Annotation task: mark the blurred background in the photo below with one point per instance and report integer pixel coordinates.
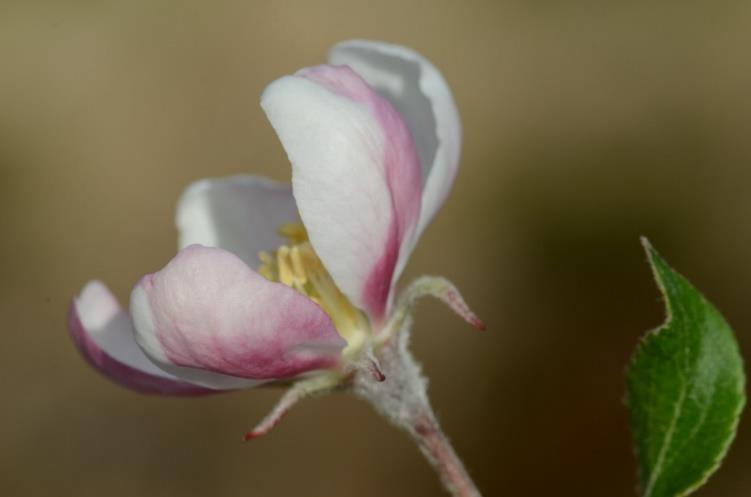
(587, 124)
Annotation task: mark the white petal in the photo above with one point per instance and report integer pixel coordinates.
(423, 98)
(240, 214)
(355, 176)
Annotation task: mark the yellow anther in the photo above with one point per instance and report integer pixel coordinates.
(265, 257)
(297, 266)
(294, 232)
(267, 268)
(285, 270)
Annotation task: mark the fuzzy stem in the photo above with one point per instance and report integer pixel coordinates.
(437, 448)
(402, 398)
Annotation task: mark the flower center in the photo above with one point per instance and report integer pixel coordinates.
(298, 266)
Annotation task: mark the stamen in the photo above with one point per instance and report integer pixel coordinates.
(267, 262)
(294, 232)
(297, 266)
(285, 271)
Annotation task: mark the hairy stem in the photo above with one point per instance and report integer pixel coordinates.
(437, 448)
(402, 398)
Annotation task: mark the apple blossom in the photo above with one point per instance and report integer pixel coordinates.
(296, 284)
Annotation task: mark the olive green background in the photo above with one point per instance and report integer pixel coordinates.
(587, 124)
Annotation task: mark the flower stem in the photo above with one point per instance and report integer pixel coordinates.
(442, 456)
(402, 398)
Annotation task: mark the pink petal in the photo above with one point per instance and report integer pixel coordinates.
(241, 214)
(355, 176)
(208, 310)
(102, 332)
(423, 98)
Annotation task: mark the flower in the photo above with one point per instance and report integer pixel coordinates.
(295, 284)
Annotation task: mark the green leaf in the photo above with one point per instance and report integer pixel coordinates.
(685, 390)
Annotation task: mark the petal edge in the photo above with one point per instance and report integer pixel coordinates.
(95, 312)
(422, 96)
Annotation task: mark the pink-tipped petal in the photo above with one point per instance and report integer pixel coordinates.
(423, 98)
(355, 177)
(209, 311)
(102, 332)
(241, 214)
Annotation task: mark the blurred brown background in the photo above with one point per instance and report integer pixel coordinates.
(587, 124)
